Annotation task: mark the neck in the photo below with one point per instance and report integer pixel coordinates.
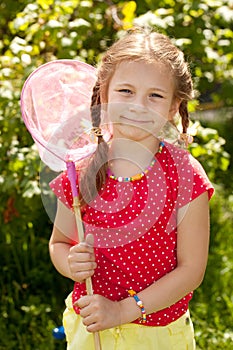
(127, 157)
(126, 148)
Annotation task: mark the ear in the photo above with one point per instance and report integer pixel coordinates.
(175, 105)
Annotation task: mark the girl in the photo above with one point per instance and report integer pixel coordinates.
(144, 205)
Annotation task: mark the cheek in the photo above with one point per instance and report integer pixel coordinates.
(167, 110)
(159, 122)
(111, 112)
(115, 110)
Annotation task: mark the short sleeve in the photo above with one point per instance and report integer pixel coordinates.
(193, 181)
(62, 189)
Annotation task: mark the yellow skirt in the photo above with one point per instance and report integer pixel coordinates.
(178, 335)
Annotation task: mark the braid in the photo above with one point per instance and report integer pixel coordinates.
(95, 105)
(183, 110)
(94, 176)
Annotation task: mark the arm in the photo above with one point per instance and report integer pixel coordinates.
(192, 254)
(72, 260)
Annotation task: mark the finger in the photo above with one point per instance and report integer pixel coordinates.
(93, 328)
(89, 320)
(81, 277)
(83, 266)
(84, 269)
(82, 247)
(83, 301)
(82, 257)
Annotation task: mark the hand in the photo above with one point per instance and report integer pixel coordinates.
(81, 260)
(98, 312)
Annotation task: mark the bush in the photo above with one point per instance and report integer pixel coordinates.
(212, 304)
(34, 32)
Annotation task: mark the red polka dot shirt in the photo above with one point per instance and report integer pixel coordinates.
(135, 227)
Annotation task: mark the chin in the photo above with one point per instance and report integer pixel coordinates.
(131, 132)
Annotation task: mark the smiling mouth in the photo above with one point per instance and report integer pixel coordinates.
(136, 121)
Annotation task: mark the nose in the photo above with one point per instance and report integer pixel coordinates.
(138, 109)
(138, 105)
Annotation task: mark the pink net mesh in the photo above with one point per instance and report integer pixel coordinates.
(55, 105)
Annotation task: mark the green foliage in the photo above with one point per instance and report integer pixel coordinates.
(224, 128)
(35, 32)
(212, 305)
(208, 148)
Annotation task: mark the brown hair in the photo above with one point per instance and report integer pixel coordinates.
(136, 45)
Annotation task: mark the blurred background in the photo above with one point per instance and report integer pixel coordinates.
(34, 32)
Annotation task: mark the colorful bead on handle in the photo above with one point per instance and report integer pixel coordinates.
(139, 303)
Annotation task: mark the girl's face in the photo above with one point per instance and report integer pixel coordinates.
(140, 99)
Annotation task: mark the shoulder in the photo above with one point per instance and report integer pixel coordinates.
(182, 158)
(176, 153)
(190, 172)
